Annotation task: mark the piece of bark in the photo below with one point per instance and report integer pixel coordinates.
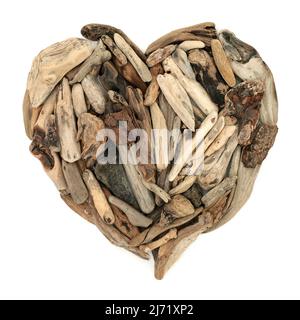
(169, 253)
(212, 196)
(179, 206)
(181, 59)
(183, 186)
(135, 217)
(108, 41)
(208, 75)
(78, 99)
(89, 126)
(95, 93)
(177, 98)
(160, 55)
(113, 176)
(244, 102)
(222, 62)
(135, 60)
(122, 223)
(203, 32)
(76, 186)
(152, 91)
(171, 234)
(51, 65)
(191, 44)
(70, 148)
(154, 231)
(194, 89)
(255, 153)
(101, 204)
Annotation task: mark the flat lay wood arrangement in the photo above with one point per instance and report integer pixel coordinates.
(192, 78)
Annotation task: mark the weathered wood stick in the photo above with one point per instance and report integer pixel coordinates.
(191, 44)
(78, 99)
(75, 183)
(134, 216)
(182, 61)
(135, 60)
(101, 204)
(183, 186)
(160, 55)
(108, 41)
(171, 234)
(70, 148)
(178, 99)
(95, 93)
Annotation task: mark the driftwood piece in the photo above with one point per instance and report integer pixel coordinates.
(208, 75)
(191, 44)
(159, 125)
(248, 65)
(70, 148)
(217, 173)
(78, 99)
(108, 41)
(160, 55)
(135, 60)
(51, 64)
(205, 127)
(222, 62)
(95, 31)
(169, 253)
(171, 234)
(182, 61)
(27, 114)
(95, 93)
(220, 140)
(100, 202)
(157, 190)
(177, 98)
(56, 173)
(134, 216)
(76, 186)
(203, 32)
(179, 206)
(154, 231)
(192, 87)
(129, 73)
(99, 56)
(122, 223)
(212, 196)
(184, 185)
(152, 91)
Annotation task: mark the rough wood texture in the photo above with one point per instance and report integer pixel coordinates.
(51, 65)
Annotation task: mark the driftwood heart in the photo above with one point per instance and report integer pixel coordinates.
(213, 90)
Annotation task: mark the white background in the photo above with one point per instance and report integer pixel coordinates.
(47, 251)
